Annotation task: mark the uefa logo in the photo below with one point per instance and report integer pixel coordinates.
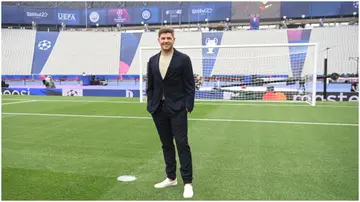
(146, 14)
(94, 16)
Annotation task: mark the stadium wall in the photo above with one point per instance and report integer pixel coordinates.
(28, 52)
(331, 96)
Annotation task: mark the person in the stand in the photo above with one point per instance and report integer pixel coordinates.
(197, 81)
(93, 80)
(97, 81)
(49, 82)
(354, 86)
(3, 84)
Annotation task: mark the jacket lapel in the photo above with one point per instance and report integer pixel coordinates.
(157, 67)
(157, 64)
(171, 63)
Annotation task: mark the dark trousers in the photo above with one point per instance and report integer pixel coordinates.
(170, 127)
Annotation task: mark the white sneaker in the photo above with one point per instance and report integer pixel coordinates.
(188, 191)
(166, 183)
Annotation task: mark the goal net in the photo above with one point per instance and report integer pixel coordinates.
(271, 72)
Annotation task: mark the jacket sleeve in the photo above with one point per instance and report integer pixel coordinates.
(150, 82)
(189, 83)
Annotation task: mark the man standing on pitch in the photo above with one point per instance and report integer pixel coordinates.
(170, 96)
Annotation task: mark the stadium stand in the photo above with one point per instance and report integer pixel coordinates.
(17, 51)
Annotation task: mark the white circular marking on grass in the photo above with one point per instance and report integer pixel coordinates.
(126, 178)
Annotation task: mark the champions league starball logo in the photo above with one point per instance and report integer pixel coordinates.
(72, 93)
(119, 15)
(211, 42)
(356, 4)
(44, 45)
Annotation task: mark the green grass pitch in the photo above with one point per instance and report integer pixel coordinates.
(74, 148)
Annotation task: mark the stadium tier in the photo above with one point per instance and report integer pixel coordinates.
(114, 59)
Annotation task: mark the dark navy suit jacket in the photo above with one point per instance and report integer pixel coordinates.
(178, 86)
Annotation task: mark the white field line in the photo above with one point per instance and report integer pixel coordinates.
(190, 119)
(20, 102)
(256, 104)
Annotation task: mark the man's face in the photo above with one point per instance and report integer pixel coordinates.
(166, 41)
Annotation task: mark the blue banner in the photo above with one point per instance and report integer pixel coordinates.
(120, 16)
(295, 9)
(39, 15)
(94, 16)
(175, 13)
(111, 93)
(44, 43)
(69, 17)
(298, 53)
(66, 77)
(206, 94)
(46, 91)
(319, 9)
(146, 15)
(210, 54)
(348, 8)
(31, 91)
(129, 44)
(15, 91)
(10, 14)
(210, 11)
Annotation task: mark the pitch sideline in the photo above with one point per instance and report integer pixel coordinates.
(255, 103)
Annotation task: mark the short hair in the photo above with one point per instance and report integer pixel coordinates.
(165, 30)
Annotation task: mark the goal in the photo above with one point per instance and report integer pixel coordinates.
(258, 72)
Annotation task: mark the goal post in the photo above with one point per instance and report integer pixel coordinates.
(255, 72)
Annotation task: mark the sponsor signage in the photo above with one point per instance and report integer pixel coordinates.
(40, 16)
(72, 92)
(146, 15)
(69, 17)
(119, 16)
